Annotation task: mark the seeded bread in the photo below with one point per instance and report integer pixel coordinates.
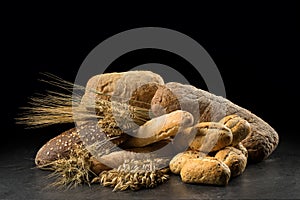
(58, 147)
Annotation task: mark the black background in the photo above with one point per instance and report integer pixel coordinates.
(255, 48)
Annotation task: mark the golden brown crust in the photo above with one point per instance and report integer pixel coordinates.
(211, 136)
(181, 159)
(208, 170)
(260, 143)
(100, 87)
(117, 86)
(160, 128)
(243, 149)
(239, 127)
(234, 159)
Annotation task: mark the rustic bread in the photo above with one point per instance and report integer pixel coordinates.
(234, 159)
(211, 136)
(241, 147)
(239, 127)
(117, 86)
(181, 159)
(142, 96)
(207, 170)
(261, 141)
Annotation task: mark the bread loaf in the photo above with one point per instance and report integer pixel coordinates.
(208, 170)
(58, 147)
(205, 107)
(118, 87)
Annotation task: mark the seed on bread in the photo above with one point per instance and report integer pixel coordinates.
(58, 147)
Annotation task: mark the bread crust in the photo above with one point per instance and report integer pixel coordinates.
(208, 170)
(234, 159)
(206, 107)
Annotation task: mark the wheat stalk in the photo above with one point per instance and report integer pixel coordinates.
(64, 107)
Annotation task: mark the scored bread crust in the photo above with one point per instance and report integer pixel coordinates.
(205, 107)
(181, 159)
(234, 159)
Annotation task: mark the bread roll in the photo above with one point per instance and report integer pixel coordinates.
(208, 170)
(239, 127)
(211, 136)
(181, 159)
(234, 159)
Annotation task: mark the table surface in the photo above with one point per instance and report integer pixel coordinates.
(278, 177)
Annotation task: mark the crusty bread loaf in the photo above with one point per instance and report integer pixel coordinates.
(206, 107)
(181, 159)
(239, 127)
(207, 170)
(211, 136)
(234, 159)
(100, 87)
(117, 86)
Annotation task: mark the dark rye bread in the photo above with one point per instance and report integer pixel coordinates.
(205, 107)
